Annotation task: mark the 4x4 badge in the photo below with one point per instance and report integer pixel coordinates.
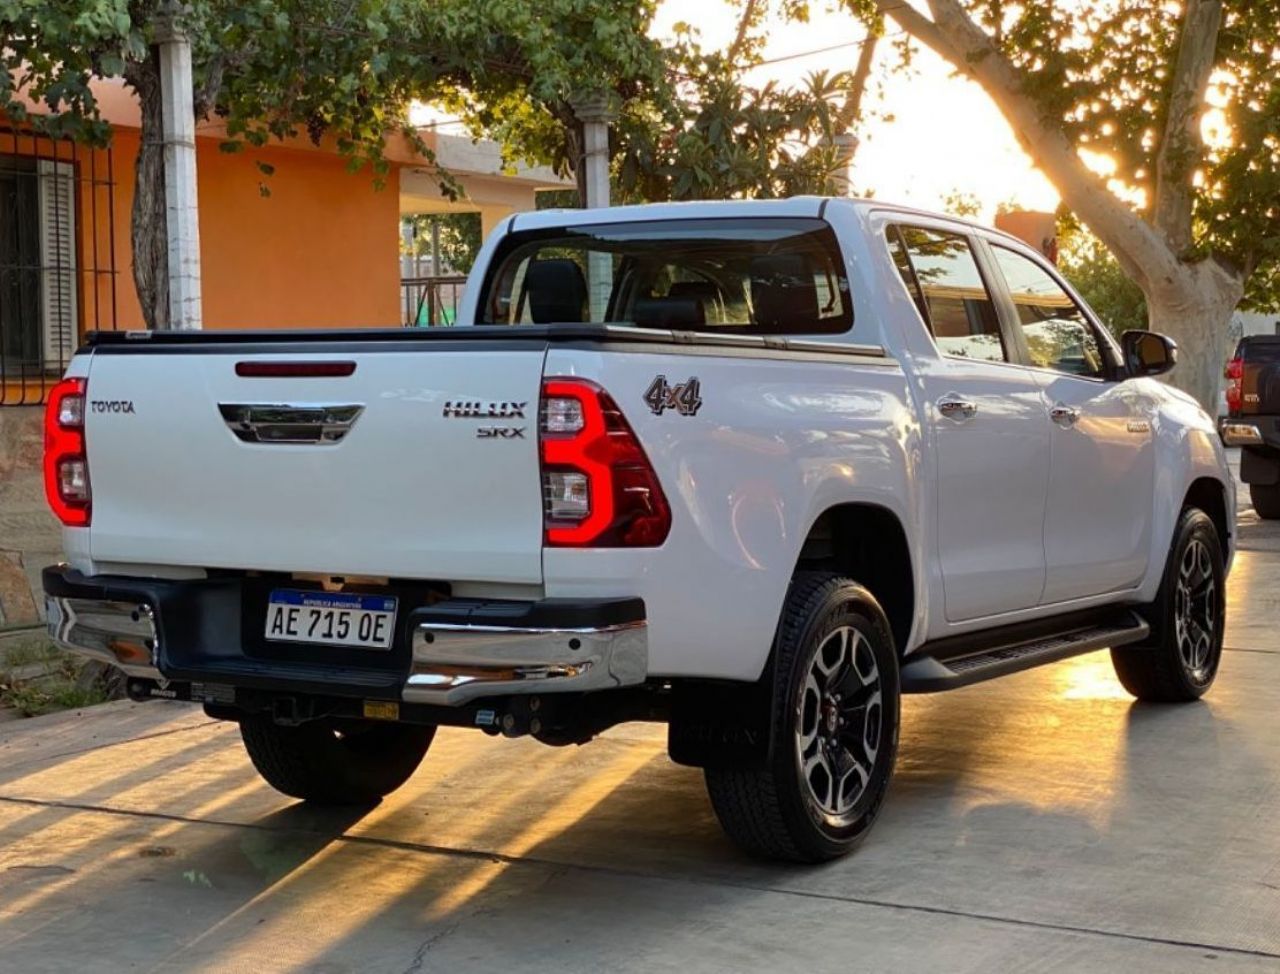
(684, 398)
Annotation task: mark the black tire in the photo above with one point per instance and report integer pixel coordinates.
(1266, 500)
(1179, 661)
(350, 762)
(776, 812)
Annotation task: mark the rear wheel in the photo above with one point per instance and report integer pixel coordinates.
(1180, 660)
(836, 729)
(1266, 500)
(349, 762)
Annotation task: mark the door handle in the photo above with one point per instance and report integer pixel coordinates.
(958, 409)
(1064, 415)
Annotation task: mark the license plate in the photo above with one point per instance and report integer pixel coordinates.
(332, 618)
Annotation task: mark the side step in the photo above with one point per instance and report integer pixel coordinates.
(949, 666)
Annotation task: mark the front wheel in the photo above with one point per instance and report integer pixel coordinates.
(835, 724)
(1180, 660)
(1266, 500)
(347, 762)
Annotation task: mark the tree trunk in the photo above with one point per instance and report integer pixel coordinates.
(148, 228)
(1195, 311)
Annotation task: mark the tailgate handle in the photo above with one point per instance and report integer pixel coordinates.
(290, 423)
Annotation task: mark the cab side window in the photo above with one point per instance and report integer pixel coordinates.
(1058, 335)
(942, 276)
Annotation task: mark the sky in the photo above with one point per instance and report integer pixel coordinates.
(946, 135)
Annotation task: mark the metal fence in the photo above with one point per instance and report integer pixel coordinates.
(431, 302)
(57, 257)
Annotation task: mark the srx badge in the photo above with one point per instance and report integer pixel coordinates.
(685, 397)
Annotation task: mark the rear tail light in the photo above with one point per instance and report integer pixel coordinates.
(66, 463)
(1235, 376)
(599, 489)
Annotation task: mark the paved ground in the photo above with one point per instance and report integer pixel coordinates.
(1039, 823)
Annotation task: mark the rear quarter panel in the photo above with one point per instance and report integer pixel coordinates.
(776, 442)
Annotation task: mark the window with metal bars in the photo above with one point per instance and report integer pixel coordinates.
(57, 258)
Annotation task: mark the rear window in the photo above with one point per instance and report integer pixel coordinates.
(764, 276)
(1263, 352)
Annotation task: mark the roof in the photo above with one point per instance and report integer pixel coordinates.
(800, 206)
(795, 206)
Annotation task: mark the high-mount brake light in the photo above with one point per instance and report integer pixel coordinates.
(294, 370)
(66, 461)
(599, 489)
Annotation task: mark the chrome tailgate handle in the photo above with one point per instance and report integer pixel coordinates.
(290, 423)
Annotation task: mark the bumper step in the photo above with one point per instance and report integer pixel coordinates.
(928, 673)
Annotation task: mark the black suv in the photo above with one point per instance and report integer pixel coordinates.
(1253, 420)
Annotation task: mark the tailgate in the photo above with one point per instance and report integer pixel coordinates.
(1260, 381)
(387, 474)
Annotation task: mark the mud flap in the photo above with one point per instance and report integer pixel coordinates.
(1260, 468)
(721, 724)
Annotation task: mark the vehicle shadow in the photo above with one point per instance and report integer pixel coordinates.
(1055, 799)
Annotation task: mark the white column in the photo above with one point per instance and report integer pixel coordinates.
(182, 214)
(596, 112)
(846, 144)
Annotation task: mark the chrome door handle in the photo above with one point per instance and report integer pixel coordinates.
(957, 409)
(1064, 415)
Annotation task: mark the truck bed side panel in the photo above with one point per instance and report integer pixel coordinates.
(775, 443)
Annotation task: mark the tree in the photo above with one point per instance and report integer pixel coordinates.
(343, 69)
(961, 203)
(703, 133)
(1182, 101)
(459, 235)
(721, 138)
(1085, 261)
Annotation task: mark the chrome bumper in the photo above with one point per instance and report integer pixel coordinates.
(122, 634)
(456, 663)
(1240, 433)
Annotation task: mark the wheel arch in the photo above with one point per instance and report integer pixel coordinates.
(1210, 495)
(868, 543)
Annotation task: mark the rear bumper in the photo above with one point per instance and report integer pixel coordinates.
(1251, 431)
(449, 652)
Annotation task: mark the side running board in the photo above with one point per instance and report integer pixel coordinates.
(950, 665)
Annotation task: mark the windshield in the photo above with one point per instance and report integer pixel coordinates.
(763, 276)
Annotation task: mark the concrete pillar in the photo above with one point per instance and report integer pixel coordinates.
(492, 215)
(182, 212)
(408, 256)
(596, 112)
(846, 144)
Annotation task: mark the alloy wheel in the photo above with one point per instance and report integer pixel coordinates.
(839, 724)
(1195, 611)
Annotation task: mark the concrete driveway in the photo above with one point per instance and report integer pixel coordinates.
(1043, 822)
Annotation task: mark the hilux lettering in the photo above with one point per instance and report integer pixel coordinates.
(477, 409)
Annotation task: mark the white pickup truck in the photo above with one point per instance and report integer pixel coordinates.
(752, 469)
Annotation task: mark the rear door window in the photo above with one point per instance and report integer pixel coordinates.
(942, 275)
(768, 276)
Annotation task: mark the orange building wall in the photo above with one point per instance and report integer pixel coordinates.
(321, 251)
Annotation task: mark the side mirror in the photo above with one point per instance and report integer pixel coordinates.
(1148, 353)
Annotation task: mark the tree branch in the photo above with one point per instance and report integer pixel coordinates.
(851, 111)
(1180, 144)
(914, 23)
(750, 14)
(953, 34)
